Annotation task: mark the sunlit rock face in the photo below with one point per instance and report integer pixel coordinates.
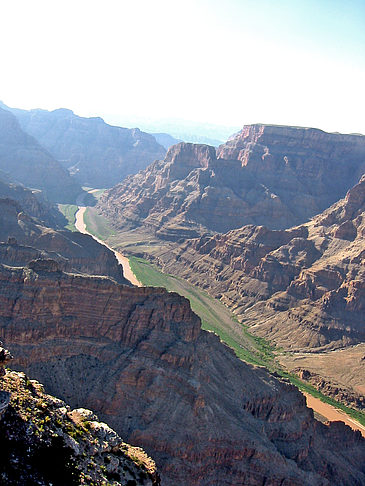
(265, 175)
(44, 442)
(302, 288)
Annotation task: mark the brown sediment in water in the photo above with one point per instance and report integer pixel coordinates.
(127, 271)
(332, 414)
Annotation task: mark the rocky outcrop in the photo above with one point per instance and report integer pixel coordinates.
(44, 442)
(336, 391)
(33, 204)
(266, 175)
(23, 239)
(302, 288)
(24, 161)
(138, 357)
(95, 153)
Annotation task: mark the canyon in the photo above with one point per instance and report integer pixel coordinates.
(24, 238)
(138, 357)
(300, 288)
(265, 175)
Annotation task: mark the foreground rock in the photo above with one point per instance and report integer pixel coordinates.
(44, 442)
(95, 153)
(266, 175)
(139, 358)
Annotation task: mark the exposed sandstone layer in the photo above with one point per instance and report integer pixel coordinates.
(138, 357)
(23, 238)
(43, 442)
(302, 288)
(95, 153)
(24, 161)
(266, 175)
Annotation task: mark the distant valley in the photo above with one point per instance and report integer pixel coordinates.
(270, 223)
(299, 286)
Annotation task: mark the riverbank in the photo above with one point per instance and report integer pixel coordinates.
(327, 411)
(127, 271)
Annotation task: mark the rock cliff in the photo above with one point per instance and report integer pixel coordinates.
(302, 288)
(95, 153)
(138, 357)
(23, 238)
(34, 204)
(26, 162)
(266, 175)
(44, 442)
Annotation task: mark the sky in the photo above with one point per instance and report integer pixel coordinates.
(224, 62)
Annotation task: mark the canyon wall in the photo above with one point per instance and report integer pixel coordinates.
(138, 357)
(266, 175)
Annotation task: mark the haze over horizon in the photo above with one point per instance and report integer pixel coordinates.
(291, 63)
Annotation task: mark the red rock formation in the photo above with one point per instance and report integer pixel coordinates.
(43, 441)
(266, 175)
(138, 357)
(302, 288)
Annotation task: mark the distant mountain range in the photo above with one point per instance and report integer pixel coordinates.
(96, 154)
(23, 160)
(183, 130)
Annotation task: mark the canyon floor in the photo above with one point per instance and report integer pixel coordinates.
(331, 366)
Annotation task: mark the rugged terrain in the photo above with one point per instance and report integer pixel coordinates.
(33, 203)
(302, 288)
(24, 161)
(44, 442)
(266, 175)
(95, 153)
(138, 357)
(23, 238)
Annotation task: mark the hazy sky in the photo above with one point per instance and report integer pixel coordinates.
(299, 62)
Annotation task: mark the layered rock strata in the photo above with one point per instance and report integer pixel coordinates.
(138, 357)
(33, 204)
(266, 175)
(23, 238)
(336, 391)
(302, 288)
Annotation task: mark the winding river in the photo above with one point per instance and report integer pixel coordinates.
(80, 226)
(327, 411)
